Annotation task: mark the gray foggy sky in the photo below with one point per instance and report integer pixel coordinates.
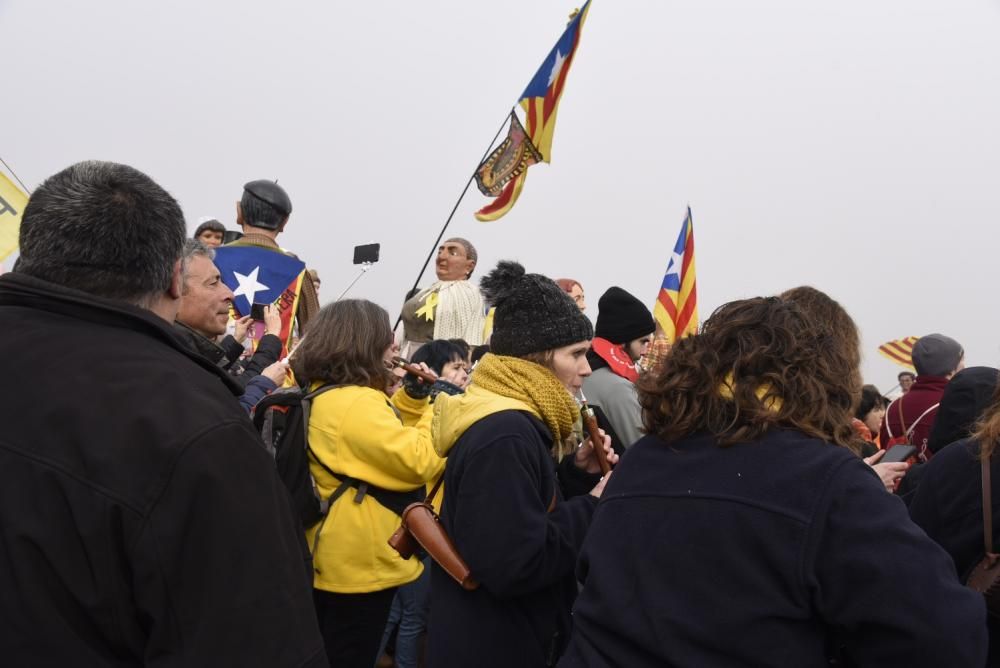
(851, 145)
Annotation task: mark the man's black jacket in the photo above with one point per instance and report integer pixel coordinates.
(141, 520)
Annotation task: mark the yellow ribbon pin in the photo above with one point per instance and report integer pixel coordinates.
(427, 310)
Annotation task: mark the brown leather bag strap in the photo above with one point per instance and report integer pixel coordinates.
(987, 508)
(902, 423)
(434, 489)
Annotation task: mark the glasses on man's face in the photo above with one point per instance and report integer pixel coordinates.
(578, 298)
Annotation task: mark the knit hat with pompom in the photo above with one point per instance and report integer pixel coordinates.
(533, 314)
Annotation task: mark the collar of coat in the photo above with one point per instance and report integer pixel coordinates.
(33, 293)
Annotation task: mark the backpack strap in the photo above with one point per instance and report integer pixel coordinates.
(888, 427)
(394, 501)
(917, 421)
(324, 504)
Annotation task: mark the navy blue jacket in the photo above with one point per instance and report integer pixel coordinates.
(781, 552)
(499, 483)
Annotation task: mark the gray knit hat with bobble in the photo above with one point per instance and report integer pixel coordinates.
(533, 314)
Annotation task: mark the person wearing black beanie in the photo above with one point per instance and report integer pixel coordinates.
(507, 504)
(624, 331)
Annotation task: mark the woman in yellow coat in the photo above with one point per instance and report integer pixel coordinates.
(370, 456)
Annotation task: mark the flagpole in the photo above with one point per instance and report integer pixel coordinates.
(18, 179)
(454, 209)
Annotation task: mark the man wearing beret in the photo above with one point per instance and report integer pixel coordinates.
(623, 333)
(262, 214)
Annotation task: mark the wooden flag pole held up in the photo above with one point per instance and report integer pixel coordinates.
(451, 215)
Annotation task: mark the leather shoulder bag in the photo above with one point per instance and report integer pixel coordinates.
(985, 577)
(421, 528)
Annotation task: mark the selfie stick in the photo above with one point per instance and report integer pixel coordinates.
(365, 266)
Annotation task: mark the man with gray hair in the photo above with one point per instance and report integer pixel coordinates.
(203, 316)
(141, 520)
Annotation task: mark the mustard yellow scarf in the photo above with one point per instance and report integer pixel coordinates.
(532, 384)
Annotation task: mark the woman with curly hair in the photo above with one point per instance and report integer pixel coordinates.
(742, 531)
(504, 503)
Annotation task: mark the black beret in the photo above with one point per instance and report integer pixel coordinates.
(272, 193)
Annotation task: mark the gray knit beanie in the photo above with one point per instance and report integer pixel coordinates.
(936, 355)
(533, 314)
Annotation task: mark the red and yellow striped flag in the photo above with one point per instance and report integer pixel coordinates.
(899, 351)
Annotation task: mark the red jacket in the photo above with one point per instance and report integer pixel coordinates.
(926, 392)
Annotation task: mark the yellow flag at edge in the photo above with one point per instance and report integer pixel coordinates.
(12, 203)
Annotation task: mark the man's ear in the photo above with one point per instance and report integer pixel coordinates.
(472, 268)
(176, 282)
(239, 215)
(281, 228)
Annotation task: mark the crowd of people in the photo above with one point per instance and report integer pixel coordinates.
(748, 517)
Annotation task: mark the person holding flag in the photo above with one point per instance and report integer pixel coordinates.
(258, 270)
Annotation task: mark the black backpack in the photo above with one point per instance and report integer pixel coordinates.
(282, 418)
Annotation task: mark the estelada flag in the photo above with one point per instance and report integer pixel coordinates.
(899, 351)
(676, 307)
(540, 102)
(262, 276)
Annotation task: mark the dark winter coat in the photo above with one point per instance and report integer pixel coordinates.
(226, 355)
(780, 552)
(499, 483)
(142, 523)
(948, 505)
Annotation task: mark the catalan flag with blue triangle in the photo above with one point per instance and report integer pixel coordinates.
(676, 307)
(540, 102)
(262, 276)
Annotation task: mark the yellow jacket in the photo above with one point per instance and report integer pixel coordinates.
(354, 431)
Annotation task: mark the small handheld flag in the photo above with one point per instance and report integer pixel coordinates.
(899, 351)
(540, 102)
(676, 307)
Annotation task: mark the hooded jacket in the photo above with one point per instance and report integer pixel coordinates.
(142, 522)
(354, 431)
(965, 397)
(500, 482)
